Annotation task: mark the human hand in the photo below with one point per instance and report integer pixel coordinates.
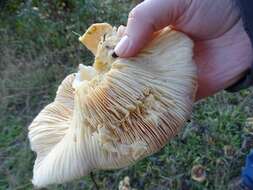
(222, 49)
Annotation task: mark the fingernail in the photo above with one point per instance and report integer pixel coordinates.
(122, 46)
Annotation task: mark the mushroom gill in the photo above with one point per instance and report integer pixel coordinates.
(116, 112)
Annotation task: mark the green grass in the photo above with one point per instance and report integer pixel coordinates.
(38, 49)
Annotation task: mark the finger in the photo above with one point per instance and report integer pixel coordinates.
(144, 20)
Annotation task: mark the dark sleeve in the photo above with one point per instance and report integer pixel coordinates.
(247, 172)
(246, 8)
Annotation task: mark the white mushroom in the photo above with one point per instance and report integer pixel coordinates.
(116, 112)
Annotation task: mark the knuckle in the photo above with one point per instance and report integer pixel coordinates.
(136, 12)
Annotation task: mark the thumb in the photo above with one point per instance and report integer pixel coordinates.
(145, 19)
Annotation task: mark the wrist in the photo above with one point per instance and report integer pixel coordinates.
(223, 61)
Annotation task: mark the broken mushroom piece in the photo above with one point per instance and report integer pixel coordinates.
(116, 112)
(92, 36)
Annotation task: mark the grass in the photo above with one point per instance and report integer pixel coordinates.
(38, 49)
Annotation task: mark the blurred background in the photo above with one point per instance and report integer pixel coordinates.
(38, 49)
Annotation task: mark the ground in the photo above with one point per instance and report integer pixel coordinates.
(38, 49)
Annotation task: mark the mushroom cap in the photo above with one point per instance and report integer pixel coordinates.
(116, 112)
(198, 173)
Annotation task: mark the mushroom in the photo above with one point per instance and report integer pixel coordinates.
(116, 112)
(198, 173)
(125, 184)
